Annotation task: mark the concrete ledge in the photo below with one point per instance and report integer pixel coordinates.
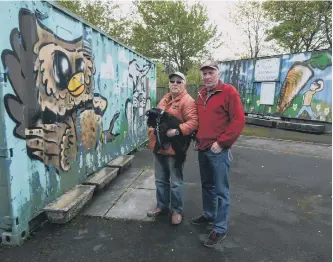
(260, 122)
(121, 162)
(102, 178)
(67, 206)
(301, 127)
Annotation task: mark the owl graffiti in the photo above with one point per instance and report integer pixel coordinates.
(54, 106)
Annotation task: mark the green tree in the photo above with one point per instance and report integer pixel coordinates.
(300, 25)
(193, 76)
(106, 16)
(174, 32)
(250, 20)
(162, 79)
(325, 8)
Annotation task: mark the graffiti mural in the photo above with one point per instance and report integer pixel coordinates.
(55, 97)
(240, 75)
(139, 103)
(306, 91)
(73, 99)
(303, 90)
(315, 87)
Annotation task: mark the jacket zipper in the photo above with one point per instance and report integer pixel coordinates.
(202, 101)
(205, 102)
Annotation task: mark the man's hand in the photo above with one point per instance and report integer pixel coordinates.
(216, 148)
(172, 132)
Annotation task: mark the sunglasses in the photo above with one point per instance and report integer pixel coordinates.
(178, 82)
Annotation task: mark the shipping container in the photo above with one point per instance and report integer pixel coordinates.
(72, 99)
(294, 86)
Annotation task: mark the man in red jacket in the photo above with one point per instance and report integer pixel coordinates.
(221, 121)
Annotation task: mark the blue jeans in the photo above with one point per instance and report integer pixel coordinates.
(169, 193)
(214, 172)
(307, 109)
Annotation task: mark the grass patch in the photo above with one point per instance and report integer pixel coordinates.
(253, 131)
(275, 133)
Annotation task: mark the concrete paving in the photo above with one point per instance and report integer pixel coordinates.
(286, 147)
(105, 200)
(146, 180)
(281, 210)
(133, 205)
(130, 201)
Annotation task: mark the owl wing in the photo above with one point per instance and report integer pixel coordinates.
(23, 107)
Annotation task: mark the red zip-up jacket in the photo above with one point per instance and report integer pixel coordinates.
(221, 116)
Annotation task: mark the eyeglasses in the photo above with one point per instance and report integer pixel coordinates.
(178, 82)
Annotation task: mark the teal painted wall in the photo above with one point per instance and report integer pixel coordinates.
(73, 100)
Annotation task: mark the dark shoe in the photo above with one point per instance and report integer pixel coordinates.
(200, 220)
(156, 211)
(214, 238)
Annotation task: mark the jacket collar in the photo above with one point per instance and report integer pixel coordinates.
(218, 88)
(168, 96)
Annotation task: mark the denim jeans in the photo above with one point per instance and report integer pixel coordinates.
(214, 172)
(169, 183)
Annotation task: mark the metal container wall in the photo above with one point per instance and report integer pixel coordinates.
(72, 98)
(303, 88)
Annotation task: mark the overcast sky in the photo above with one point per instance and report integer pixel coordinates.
(218, 12)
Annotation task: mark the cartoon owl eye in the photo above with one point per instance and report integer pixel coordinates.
(62, 70)
(79, 65)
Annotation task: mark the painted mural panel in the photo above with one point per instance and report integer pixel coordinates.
(74, 99)
(54, 105)
(303, 90)
(240, 74)
(306, 90)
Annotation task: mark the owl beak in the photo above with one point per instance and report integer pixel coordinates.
(76, 84)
